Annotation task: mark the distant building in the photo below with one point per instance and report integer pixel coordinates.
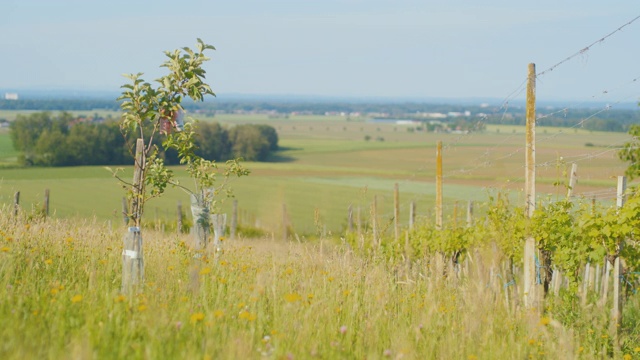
(10, 96)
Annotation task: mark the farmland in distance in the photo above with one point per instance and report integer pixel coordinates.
(328, 163)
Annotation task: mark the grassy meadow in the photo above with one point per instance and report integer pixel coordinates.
(315, 296)
(266, 298)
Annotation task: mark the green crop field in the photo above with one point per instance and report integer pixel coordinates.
(325, 165)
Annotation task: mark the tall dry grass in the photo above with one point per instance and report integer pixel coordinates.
(60, 298)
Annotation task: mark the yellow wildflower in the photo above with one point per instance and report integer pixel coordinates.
(48, 261)
(218, 314)
(205, 271)
(76, 299)
(292, 297)
(197, 317)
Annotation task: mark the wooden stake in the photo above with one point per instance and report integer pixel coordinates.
(616, 311)
(284, 222)
(585, 284)
(350, 219)
(470, 214)
(572, 180)
(179, 222)
(439, 186)
(530, 286)
(16, 203)
(412, 214)
(396, 211)
(46, 202)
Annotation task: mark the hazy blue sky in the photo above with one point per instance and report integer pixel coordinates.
(355, 48)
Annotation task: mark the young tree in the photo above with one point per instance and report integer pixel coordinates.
(150, 112)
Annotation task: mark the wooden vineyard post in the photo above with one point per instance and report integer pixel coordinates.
(46, 203)
(396, 212)
(572, 180)
(350, 219)
(616, 311)
(530, 280)
(439, 186)
(179, 223)
(412, 214)
(16, 203)
(470, 213)
(234, 220)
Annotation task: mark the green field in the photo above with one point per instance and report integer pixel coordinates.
(326, 165)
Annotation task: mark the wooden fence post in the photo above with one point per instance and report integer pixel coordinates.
(350, 219)
(531, 296)
(46, 203)
(470, 213)
(16, 203)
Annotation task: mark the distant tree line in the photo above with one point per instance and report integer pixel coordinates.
(613, 119)
(62, 140)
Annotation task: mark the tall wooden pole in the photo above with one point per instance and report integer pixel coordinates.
(439, 186)
(616, 311)
(530, 286)
(470, 213)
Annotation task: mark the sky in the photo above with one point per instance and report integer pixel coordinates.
(397, 49)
